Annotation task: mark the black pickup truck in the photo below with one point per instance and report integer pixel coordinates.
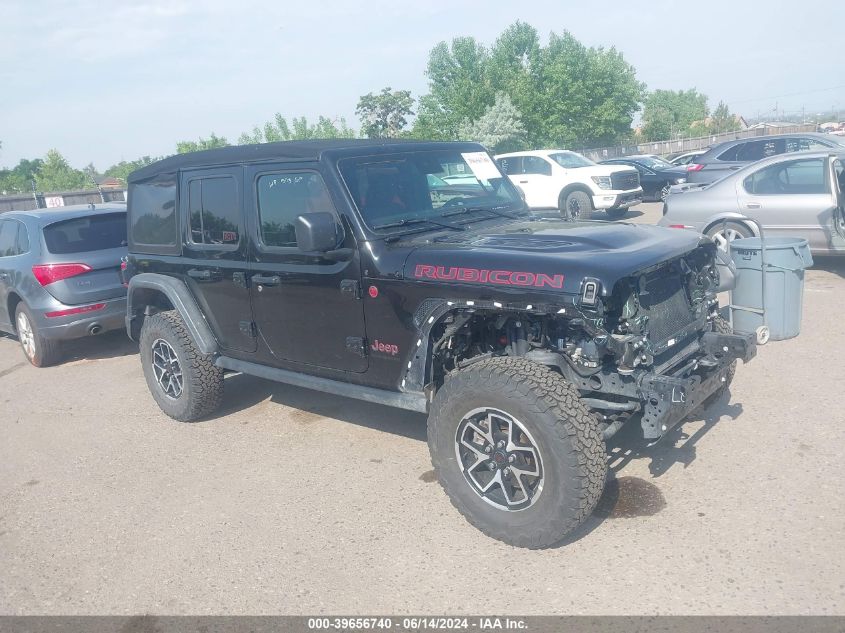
(355, 268)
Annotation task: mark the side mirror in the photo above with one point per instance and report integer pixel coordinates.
(316, 232)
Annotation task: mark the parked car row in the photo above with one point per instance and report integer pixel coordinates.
(799, 195)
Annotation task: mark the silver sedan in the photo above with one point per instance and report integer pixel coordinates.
(799, 195)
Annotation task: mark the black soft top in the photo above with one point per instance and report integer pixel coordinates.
(290, 151)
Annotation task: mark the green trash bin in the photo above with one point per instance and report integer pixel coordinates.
(784, 261)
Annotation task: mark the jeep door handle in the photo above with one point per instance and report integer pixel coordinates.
(204, 274)
(268, 280)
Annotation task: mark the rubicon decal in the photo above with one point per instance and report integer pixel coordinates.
(485, 276)
(386, 348)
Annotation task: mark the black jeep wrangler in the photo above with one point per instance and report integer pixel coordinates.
(411, 274)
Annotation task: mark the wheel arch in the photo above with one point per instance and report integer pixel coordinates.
(733, 217)
(150, 293)
(575, 186)
(12, 301)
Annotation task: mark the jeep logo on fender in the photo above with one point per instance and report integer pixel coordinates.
(484, 276)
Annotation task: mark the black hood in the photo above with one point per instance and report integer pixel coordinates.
(553, 255)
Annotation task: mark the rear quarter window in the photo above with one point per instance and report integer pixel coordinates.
(152, 215)
(86, 234)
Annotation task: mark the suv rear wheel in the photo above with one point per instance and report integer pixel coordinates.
(40, 351)
(184, 382)
(517, 452)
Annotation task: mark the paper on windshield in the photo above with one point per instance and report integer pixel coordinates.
(482, 167)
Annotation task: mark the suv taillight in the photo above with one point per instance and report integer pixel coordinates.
(50, 273)
(694, 167)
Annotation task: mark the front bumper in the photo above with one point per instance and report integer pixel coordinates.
(617, 199)
(668, 399)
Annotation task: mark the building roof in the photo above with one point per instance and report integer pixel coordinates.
(287, 151)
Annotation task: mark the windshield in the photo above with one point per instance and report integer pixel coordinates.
(426, 188)
(652, 162)
(571, 160)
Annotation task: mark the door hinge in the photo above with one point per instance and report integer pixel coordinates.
(350, 288)
(248, 328)
(356, 345)
(239, 279)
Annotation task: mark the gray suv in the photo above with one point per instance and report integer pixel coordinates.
(60, 276)
(724, 158)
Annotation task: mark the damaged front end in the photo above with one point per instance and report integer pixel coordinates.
(650, 346)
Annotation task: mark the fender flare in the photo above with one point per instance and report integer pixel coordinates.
(180, 298)
(576, 186)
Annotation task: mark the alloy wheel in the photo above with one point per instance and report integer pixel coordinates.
(499, 459)
(167, 370)
(724, 237)
(26, 335)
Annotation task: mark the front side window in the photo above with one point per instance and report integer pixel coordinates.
(394, 190)
(803, 144)
(790, 178)
(282, 197)
(86, 234)
(215, 210)
(8, 238)
(536, 165)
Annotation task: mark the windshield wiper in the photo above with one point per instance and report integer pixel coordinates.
(494, 210)
(409, 221)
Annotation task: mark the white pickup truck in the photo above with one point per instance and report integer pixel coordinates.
(555, 178)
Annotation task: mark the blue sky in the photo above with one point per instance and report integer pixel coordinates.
(106, 81)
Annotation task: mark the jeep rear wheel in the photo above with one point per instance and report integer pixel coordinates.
(517, 452)
(184, 382)
(575, 205)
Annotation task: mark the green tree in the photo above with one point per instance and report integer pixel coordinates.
(298, 130)
(122, 169)
(385, 115)
(722, 120)
(499, 129)
(567, 94)
(669, 113)
(459, 87)
(56, 174)
(19, 179)
(212, 142)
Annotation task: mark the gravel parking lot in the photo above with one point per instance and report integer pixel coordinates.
(295, 502)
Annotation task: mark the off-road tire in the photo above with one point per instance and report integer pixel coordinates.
(46, 351)
(202, 382)
(582, 200)
(574, 459)
(616, 214)
(721, 326)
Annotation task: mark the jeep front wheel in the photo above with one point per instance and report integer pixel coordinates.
(517, 452)
(184, 382)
